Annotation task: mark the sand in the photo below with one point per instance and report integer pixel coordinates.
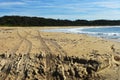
(20, 41)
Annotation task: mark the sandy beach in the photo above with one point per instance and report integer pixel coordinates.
(22, 46)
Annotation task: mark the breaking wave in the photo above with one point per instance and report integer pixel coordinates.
(103, 32)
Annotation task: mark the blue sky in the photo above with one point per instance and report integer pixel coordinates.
(63, 9)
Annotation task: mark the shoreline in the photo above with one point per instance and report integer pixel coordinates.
(114, 36)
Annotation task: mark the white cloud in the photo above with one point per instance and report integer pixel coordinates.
(11, 3)
(107, 4)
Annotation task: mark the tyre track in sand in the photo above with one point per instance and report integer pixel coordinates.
(17, 46)
(45, 48)
(59, 49)
(11, 62)
(28, 42)
(22, 64)
(44, 45)
(22, 61)
(48, 53)
(22, 68)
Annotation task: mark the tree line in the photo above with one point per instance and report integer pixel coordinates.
(39, 21)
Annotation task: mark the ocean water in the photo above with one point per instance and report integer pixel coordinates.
(107, 32)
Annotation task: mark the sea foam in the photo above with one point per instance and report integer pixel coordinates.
(108, 32)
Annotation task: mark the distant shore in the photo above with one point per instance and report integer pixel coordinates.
(41, 21)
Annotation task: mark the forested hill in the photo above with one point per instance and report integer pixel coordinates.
(39, 21)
